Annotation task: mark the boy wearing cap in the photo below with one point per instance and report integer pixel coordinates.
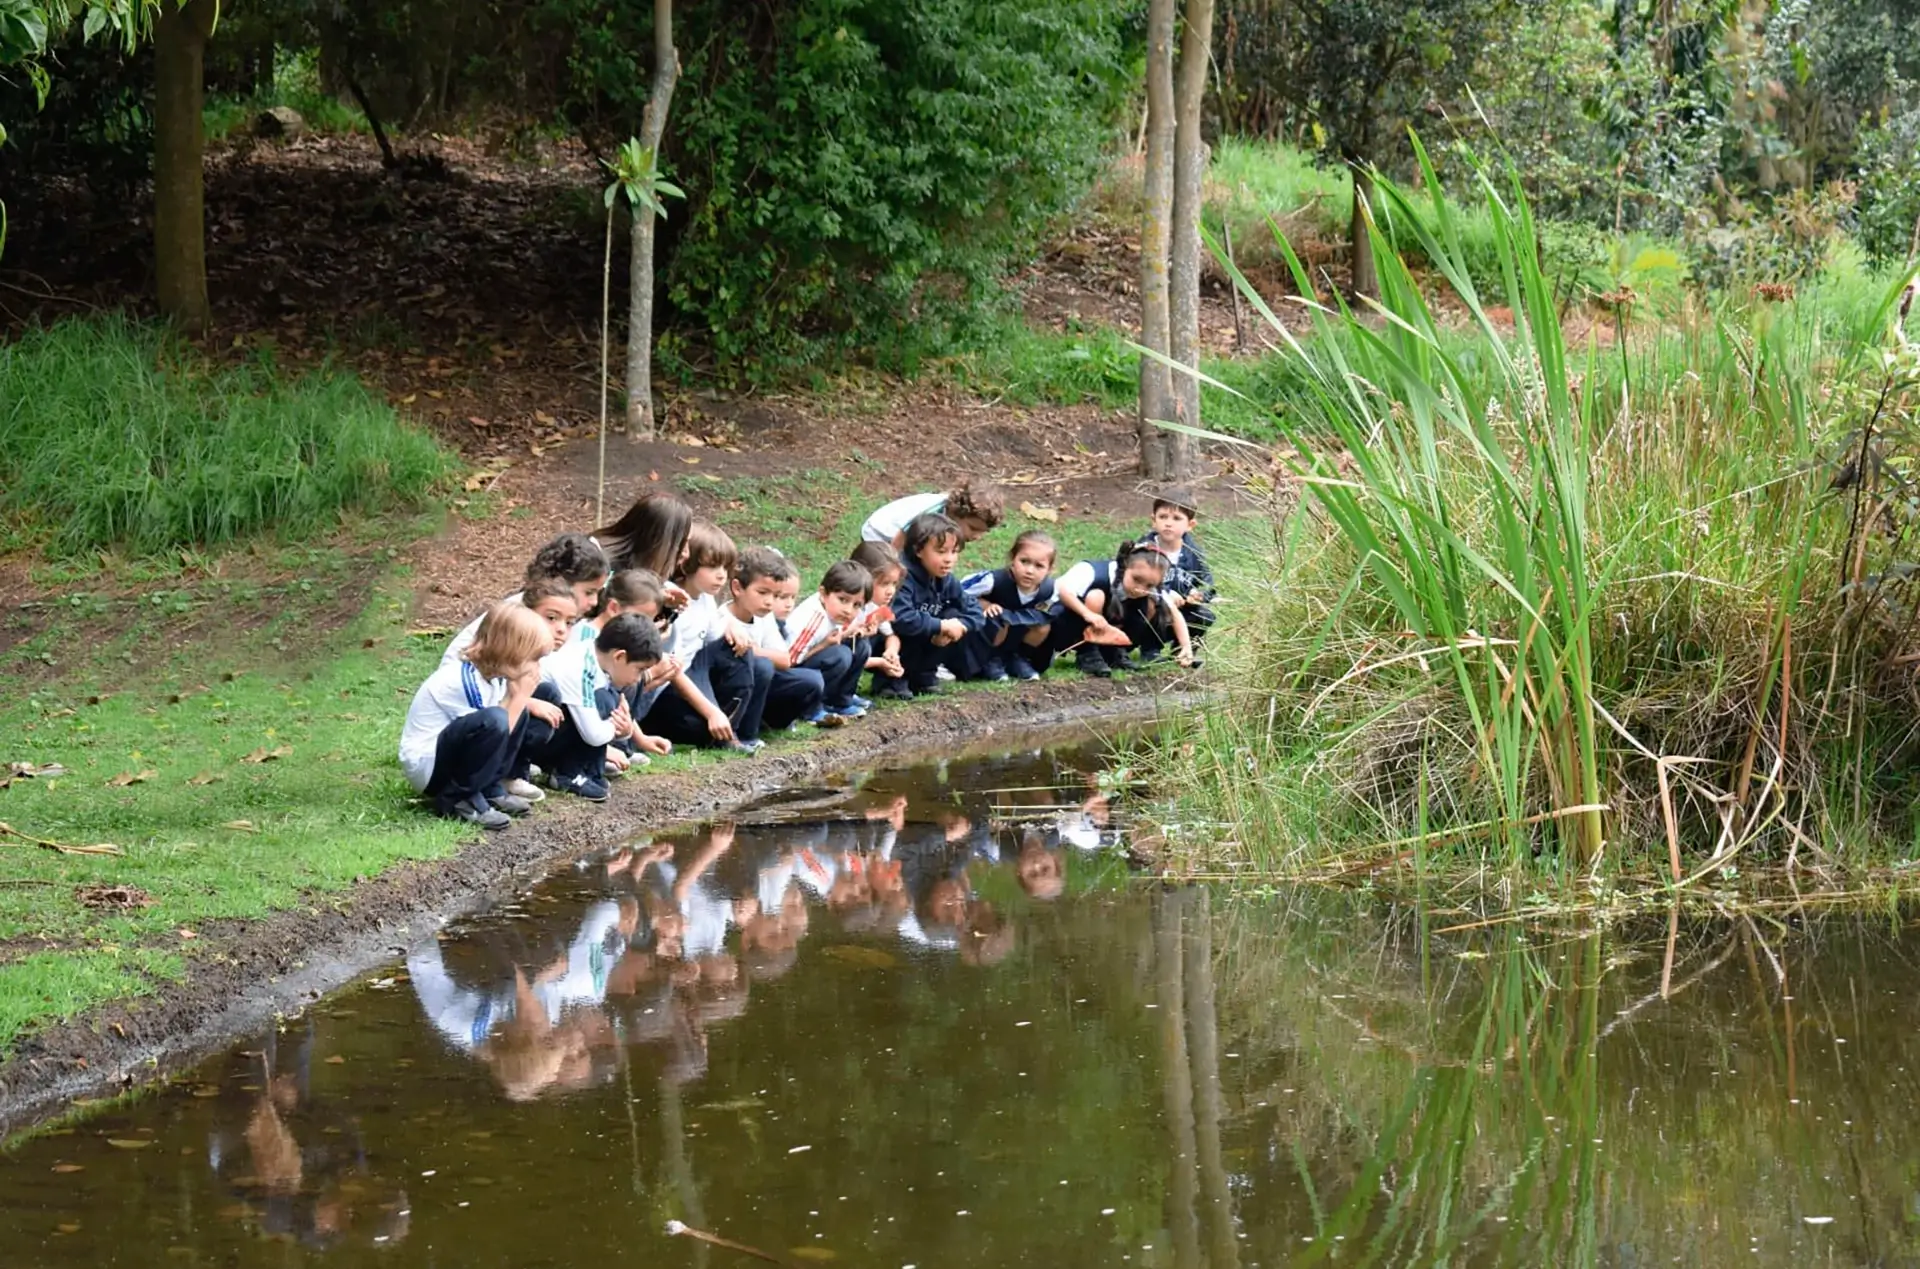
(1189, 581)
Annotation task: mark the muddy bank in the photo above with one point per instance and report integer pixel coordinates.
(246, 973)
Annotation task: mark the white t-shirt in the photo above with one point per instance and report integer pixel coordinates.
(809, 627)
(453, 690)
(699, 623)
(575, 673)
(898, 514)
(471, 631)
(1078, 580)
(765, 633)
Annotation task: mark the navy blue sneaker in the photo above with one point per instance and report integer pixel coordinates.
(582, 786)
(994, 671)
(1021, 668)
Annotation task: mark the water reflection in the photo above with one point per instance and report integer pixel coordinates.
(923, 1020)
(660, 943)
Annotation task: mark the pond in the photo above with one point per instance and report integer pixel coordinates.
(927, 1019)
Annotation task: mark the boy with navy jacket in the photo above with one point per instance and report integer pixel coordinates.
(932, 613)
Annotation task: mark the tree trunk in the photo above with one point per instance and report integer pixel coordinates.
(1365, 279)
(1156, 322)
(653, 126)
(1189, 172)
(179, 229)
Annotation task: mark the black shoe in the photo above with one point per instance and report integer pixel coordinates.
(928, 687)
(1116, 659)
(892, 690)
(1021, 668)
(1092, 663)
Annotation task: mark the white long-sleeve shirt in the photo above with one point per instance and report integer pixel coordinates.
(809, 627)
(453, 690)
(893, 518)
(575, 673)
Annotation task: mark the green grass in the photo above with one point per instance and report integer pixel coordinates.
(1528, 581)
(175, 676)
(114, 435)
(296, 84)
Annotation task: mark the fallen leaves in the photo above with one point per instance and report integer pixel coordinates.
(1048, 514)
(28, 771)
(240, 826)
(126, 778)
(204, 778)
(113, 898)
(264, 754)
(128, 1143)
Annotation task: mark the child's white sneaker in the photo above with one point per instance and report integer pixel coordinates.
(526, 790)
(943, 674)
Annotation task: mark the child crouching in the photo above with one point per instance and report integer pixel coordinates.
(932, 613)
(465, 728)
(818, 636)
(797, 694)
(1099, 597)
(588, 681)
(1015, 601)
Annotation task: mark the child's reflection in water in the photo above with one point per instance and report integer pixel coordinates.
(298, 1166)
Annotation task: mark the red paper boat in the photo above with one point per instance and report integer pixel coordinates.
(880, 615)
(1108, 637)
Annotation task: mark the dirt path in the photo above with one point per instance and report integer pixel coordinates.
(253, 972)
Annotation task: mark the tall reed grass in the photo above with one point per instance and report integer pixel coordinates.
(1587, 606)
(113, 434)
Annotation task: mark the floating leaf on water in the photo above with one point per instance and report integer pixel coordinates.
(818, 1254)
(861, 956)
(128, 1143)
(68, 1228)
(336, 1060)
(1818, 1220)
(207, 1090)
(69, 1167)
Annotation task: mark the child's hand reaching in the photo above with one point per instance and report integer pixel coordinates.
(659, 746)
(891, 664)
(719, 727)
(546, 711)
(990, 610)
(738, 638)
(1185, 657)
(673, 596)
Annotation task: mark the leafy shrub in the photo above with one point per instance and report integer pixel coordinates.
(112, 434)
(854, 167)
(1889, 198)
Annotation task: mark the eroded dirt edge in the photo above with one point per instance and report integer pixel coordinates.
(249, 972)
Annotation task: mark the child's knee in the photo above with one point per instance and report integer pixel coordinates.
(1037, 635)
(492, 723)
(1095, 601)
(547, 692)
(999, 636)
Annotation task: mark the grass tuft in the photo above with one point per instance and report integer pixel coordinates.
(114, 434)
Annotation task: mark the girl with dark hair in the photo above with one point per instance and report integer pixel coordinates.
(1098, 598)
